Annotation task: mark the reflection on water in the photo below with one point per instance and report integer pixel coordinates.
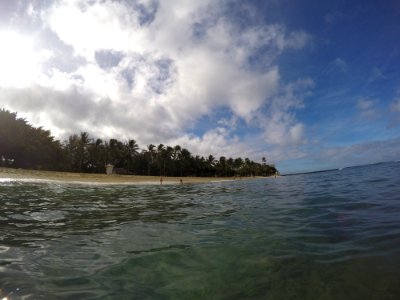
(318, 236)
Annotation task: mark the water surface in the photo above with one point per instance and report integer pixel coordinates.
(331, 235)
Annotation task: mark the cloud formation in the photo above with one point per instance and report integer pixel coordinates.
(395, 106)
(358, 154)
(225, 77)
(367, 108)
(152, 69)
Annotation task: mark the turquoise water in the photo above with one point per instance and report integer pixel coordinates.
(330, 235)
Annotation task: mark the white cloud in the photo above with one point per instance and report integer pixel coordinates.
(395, 106)
(362, 153)
(341, 64)
(376, 75)
(338, 65)
(367, 108)
(297, 40)
(333, 17)
(279, 122)
(150, 70)
(214, 142)
(229, 122)
(19, 60)
(364, 104)
(394, 119)
(102, 25)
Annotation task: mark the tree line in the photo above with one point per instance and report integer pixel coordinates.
(25, 146)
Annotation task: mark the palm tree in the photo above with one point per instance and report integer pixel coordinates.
(210, 165)
(116, 152)
(167, 155)
(131, 151)
(133, 147)
(222, 166)
(151, 154)
(176, 157)
(185, 159)
(160, 154)
(97, 159)
(229, 166)
(77, 150)
(238, 164)
(247, 166)
(82, 143)
(211, 160)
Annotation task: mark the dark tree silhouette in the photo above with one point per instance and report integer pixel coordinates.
(24, 146)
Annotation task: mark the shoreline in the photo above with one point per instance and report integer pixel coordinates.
(10, 174)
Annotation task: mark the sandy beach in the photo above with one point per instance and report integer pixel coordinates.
(34, 175)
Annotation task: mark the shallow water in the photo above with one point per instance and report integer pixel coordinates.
(330, 235)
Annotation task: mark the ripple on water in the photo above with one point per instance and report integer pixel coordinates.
(332, 235)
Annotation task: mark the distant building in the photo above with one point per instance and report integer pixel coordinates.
(109, 169)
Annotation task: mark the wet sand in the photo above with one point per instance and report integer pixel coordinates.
(47, 176)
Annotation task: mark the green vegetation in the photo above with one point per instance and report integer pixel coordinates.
(24, 146)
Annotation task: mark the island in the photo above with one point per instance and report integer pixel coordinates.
(32, 152)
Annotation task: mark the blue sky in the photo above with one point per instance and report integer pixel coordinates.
(310, 85)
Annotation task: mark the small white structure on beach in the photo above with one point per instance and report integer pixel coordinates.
(109, 169)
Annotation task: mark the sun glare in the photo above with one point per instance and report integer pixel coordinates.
(19, 62)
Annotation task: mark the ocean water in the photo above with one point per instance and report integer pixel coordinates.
(329, 235)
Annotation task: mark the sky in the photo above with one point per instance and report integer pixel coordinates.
(308, 84)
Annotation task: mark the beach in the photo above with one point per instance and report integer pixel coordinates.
(69, 177)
